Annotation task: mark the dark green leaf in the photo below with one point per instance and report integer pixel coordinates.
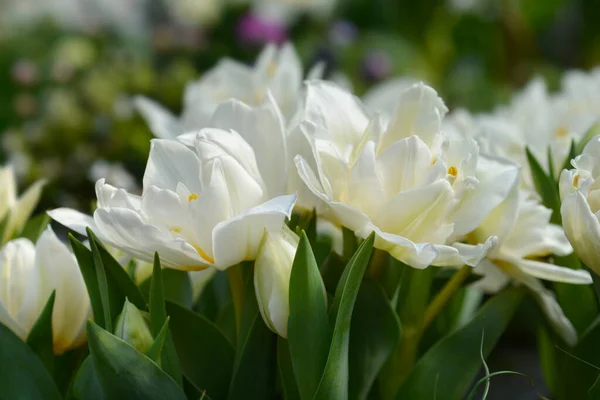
(214, 296)
(349, 243)
(579, 366)
(22, 374)
(102, 282)
(308, 325)
(86, 385)
(594, 392)
(545, 187)
(124, 372)
(455, 360)
(158, 317)
(86, 266)
(205, 355)
(40, 336)
(286, 370)
(34, 227)
(374, 333)
(177, 287)
(334, 382)
(551, 165)
(156, 349)
(567, 163)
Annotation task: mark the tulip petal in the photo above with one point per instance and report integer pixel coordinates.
(73, 219)
(582, 228)
(8, 189)
(551, 272)
(22, 209)
(493, 278)
(162, 123)
(171, 162)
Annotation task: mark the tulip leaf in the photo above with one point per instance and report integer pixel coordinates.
(23, 375)
(86, 385)
(579, 367)
(572, 154)
(308, 325)
(102, 281)
(177, 287)
(155, 350)
(546, 187)
(35, 226)
(125, 373)
(40, 336)
(206, 356)
(349, 243)
(374, 332)
(594, 392)
(286, 370)
(254, 368)
(454, 361)
(551, 165)
(334, 382)
(117, 275)
(158, 317)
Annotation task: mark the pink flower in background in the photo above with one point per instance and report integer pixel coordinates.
(257, 30)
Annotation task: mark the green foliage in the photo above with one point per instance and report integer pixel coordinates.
(40, 337)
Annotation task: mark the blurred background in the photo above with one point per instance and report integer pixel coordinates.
(69, 70)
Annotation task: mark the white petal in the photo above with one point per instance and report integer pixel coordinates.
(460, 254)
(162, 123)
(494, 279)
(8, 189)
(74, 220)
(22, 209)
(237, 239)
(551, 272)
(582, 228)
(169, 163)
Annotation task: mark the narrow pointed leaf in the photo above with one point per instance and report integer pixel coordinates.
(454, 361)
(102, 282)
(124, 372)
(155, 350)
(589, 134)
(86, 266)
(545, 187)
(40, 336)
(308, 325)
(206, 356)
(35, 226)
(334, 382)
(158, 317)
(286, 370)
(572, 154)
(86, 385)
(23, 376)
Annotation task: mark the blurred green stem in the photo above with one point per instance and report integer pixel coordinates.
(440, 300)
(236, 285)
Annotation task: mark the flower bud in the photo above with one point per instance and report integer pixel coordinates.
(272, 271)
(132, 328)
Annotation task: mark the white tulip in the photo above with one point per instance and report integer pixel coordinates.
(278, 71)
(525, 236)
(15, 210)
(29, 275)
(580, 193)
(133, 328)
(272, 271)
(201, 207)
(403, 179)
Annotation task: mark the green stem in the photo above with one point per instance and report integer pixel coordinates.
(439, 302)
(236, 284)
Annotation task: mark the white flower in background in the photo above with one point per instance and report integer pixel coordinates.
(404, 180)
(194, 12)
(526, 236)
(201, 207)
(114, 173)
(383, 97)
(580, 194)
(15, 211)
(278, 71)
(29, 275)
(272, 271)
(288, 11)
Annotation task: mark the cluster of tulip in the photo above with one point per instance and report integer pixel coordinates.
(333, 219)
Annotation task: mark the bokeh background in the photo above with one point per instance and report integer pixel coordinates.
(69, 70)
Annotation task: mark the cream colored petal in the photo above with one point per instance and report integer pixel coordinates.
(22, 210)
(162, 123)
(582, 228)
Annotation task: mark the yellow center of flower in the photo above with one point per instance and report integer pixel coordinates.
(561, 132)
(203, 254)
(271, 69)
(192, 197)
(453, 171)
(576, 181)
(176, 230)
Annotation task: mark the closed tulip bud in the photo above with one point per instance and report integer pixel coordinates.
(272, 271)
(133, 328)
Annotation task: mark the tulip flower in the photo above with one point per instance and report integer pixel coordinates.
(580, 193)
(15, 211)
(272, 271)
(201, 207)
(402, 179)
(525, 237)
(278, 71)
(29, 275)
(133, 328)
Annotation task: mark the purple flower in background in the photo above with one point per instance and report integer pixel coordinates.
(377, 65)
(343, 33)
(256, 30)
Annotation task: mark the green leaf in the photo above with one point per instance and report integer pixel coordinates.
(124, 372)
(334, 382)
(86, 385)
(349, 243)
(40, 336)
(455, 360)
(567, 163)
(102, 282)
(23, 376)
(86, 266)
(579, 367)
(118, 276)
(177, 287)
(308, 324)
(286, 370)
(594, 392)
(156, 349)
(374, 332)
(158, 317)
(551, 165)
(546, 187)
(254, 370)
(206, 356)
(35, 226)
